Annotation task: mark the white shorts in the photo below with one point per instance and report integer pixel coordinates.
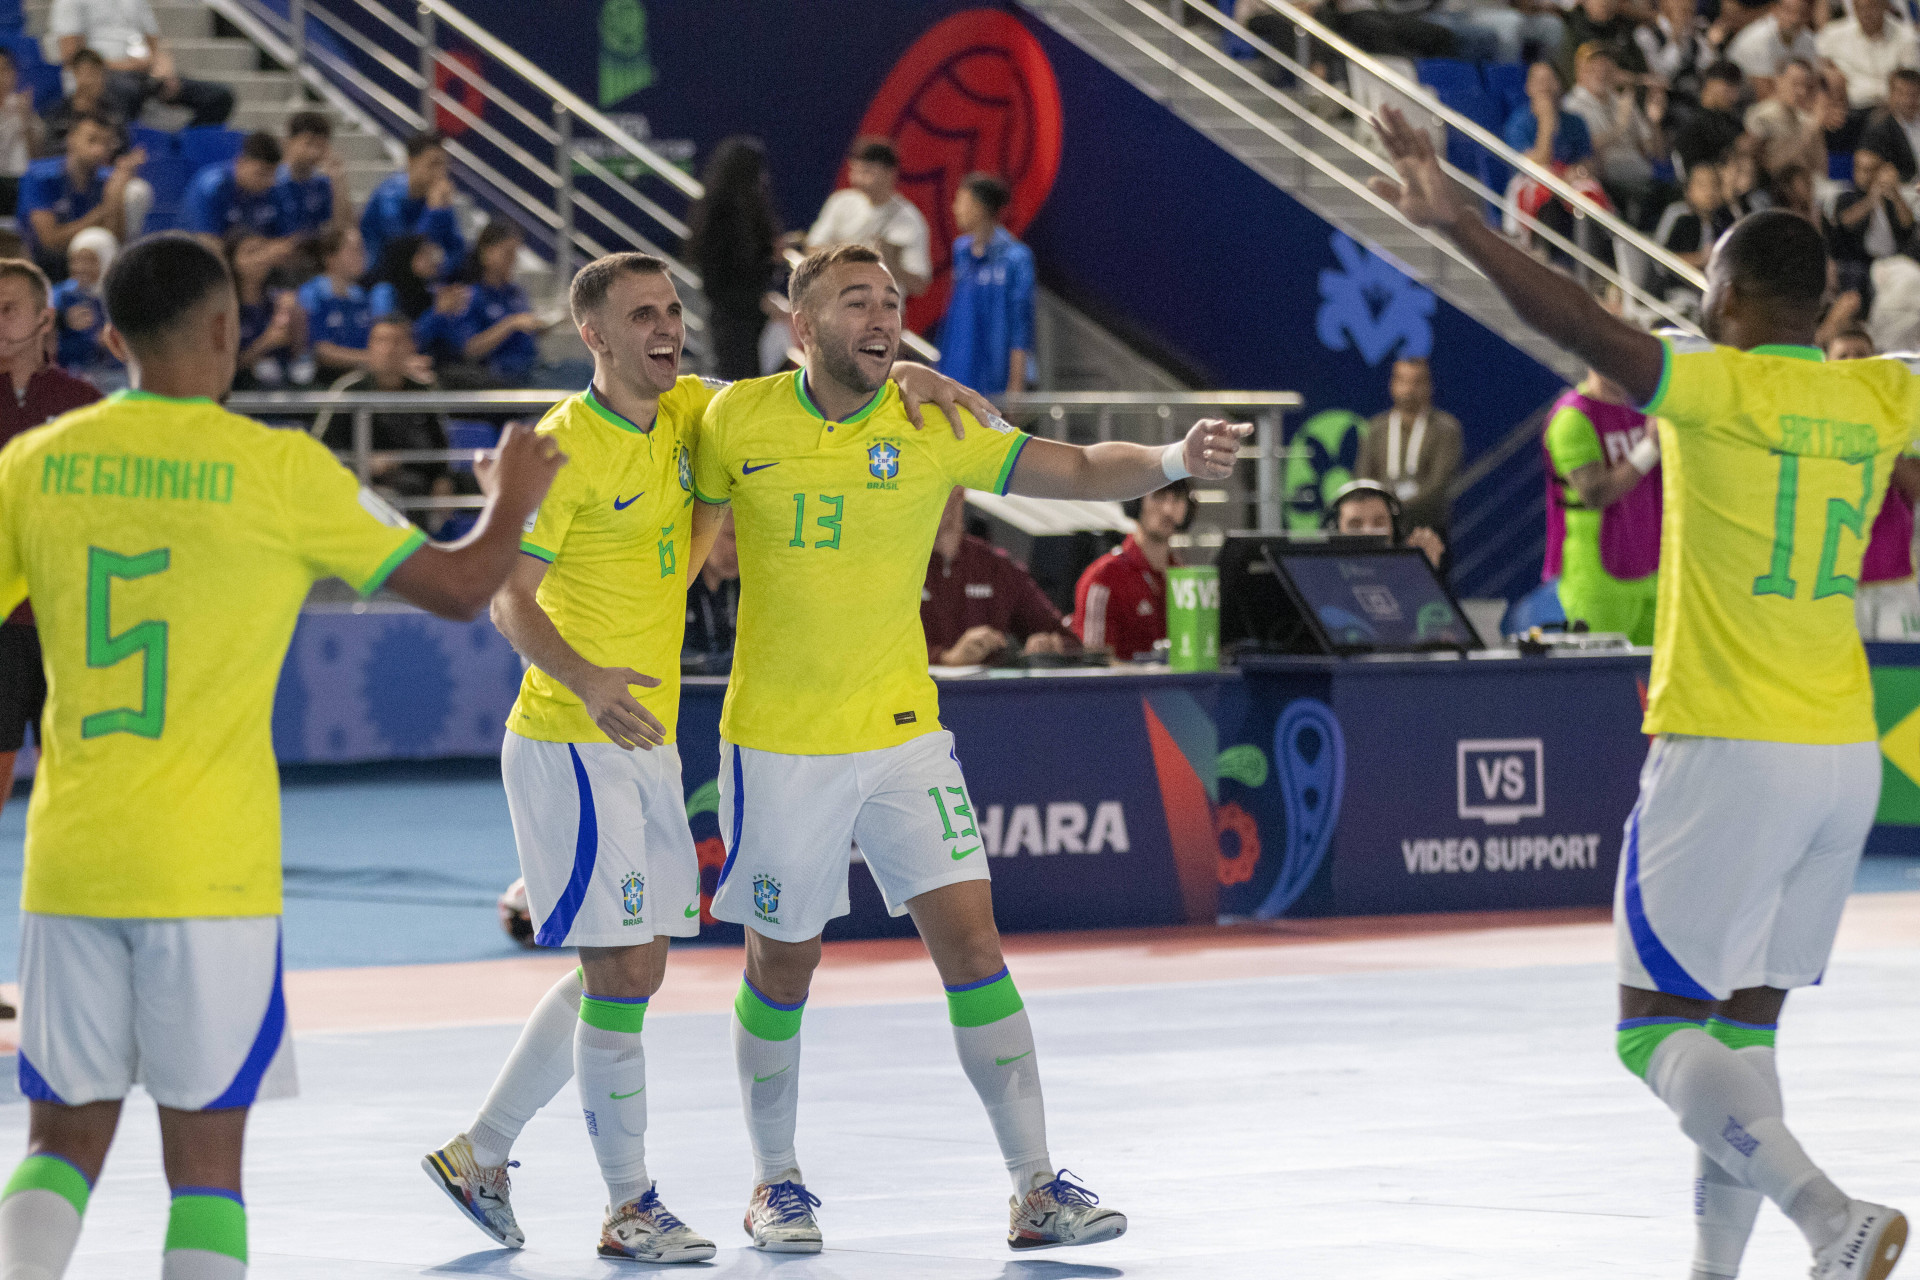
(1737, 862)
(603, 841)
(191, 1009)
(791, 824)
(1888, 610)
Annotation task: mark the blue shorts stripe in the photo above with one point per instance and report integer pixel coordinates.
(1667, 974)
(266, 1042)
(586, 848)
(739, 816)
(34, 1085)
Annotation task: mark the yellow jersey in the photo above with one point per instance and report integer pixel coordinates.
(614, 531)
(1775, 464)
(835, 523)
(168, 546)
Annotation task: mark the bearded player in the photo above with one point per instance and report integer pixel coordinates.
(831, 733)
(1764, 774)
(597, 608)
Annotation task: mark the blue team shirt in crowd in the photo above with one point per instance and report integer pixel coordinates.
(991, 314)
(1571, 141)
(490, 304)
(307, 206)
(216, 204)
(391, 213)
(44, 186)
(79, 343)
(441, 336)
(344, 321)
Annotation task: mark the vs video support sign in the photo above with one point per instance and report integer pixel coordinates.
(1500, 781)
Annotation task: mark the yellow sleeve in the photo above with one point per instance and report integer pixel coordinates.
(1697, 383)
(712, 469)
(547, 528)
(339, 528)
(986, 457)
(13, 571)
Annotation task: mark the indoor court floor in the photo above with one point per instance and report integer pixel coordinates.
(1421, 1098)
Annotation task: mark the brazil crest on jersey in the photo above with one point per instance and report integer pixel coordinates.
(835, 523)
(614, 531)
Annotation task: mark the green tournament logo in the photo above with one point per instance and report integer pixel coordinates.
(625, 68)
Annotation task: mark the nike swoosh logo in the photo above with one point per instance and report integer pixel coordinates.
(622, 1097)
(693, 910)
(622, 506)
(747, 468)
(763, 1079)
(964, 852)
(1001, 1062)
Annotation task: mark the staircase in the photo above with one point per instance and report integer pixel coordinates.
(1287, 138)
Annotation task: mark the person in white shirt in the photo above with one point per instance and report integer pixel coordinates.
(871, 212)
(1866, 49)
(1626, 139)
(1763, 47)
(140, 66)
(1788, 125)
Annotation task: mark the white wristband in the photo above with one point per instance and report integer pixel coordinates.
(1173, 461)
(1645, 456)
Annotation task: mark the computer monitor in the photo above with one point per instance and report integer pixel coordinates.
(1336, 596)
(1257, 614)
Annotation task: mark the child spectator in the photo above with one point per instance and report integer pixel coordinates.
(500, 324)
(312, 183)
(273, 328)
(403, 282)
(241, 193)
(986, 341)
(418, 199)
(339, 317)
(1689, 226)
(79, 314)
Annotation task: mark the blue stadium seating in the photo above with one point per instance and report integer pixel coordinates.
(1458, 86)
(1506, 84)
(463, 433)
(209, 144)
(165, 171)
(36, 73)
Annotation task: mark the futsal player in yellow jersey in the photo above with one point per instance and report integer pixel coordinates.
(168, 546)
(831, 733)
(597, 606)
(1763, 777)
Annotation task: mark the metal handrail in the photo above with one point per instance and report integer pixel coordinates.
(1513, 159)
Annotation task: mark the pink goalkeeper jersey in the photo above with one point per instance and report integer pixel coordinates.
(1889, 555)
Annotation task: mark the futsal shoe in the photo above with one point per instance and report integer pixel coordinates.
(646, 1231)
(1057, 1212)
(780, 1216)
(1869, 1247)
(482, 1193)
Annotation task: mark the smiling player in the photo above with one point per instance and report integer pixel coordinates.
(831, 733)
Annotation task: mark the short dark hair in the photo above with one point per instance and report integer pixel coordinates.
(591, 282)
(309, 122)
(92, 117)
(1779, 257)
(423, 141)
(1730, 72)
(818, 263)
(22, 269)
(156, 281)
(878, 151)
(1131, 507)
(1906, 75)
(261, 146)
(992, 193)
(328, 242)
(90, 56)
(395, 319)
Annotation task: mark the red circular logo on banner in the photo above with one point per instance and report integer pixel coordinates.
(462, 88)
(974, 93)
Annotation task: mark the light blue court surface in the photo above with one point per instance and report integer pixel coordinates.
(1468, 1125)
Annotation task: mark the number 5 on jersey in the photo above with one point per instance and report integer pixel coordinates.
(105, 649)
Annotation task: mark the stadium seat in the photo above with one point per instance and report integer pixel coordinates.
(1506, 84)
(36, 74)
(464, 433)
(210, 144)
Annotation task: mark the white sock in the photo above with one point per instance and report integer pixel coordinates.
(1724, 1208)
(1733, 1114)
(200, 1264)
(611, 1068)
(766, 1054)
(538, 1068)
(995, 1040)
(38, 1228)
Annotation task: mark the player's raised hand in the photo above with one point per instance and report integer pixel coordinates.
(1424, 194)
(516, 475)
(919, 384)
(606, 692)
(1213, 446)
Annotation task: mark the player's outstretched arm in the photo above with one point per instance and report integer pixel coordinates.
(1116, 470)
(1552, 303)
(456, 580)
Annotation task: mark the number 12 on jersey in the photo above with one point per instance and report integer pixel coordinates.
(1841, 514)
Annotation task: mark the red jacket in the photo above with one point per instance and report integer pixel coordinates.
(1121, 603)
(51, 391)
(984, 586)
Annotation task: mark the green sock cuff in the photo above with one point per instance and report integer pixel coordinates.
(1741, 1035)
(210, 1220)
(51, 1173)
(764, 1019)
(979, 1003)
(613, 1015)
(1637, 1038)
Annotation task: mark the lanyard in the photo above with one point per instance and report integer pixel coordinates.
(1415, 438)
